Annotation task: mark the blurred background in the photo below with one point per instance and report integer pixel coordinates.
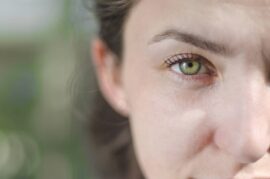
(39, 45)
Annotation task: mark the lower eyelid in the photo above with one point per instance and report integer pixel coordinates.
(192, 77)
(198, 81)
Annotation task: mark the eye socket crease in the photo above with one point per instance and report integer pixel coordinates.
(195, 40)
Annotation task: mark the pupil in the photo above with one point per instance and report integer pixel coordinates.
(190, 65)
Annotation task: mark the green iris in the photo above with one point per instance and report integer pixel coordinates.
(190, 67)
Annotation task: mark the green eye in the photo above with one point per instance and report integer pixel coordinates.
(189, 67)
(188, 64)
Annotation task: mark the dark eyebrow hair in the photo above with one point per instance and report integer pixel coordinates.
(194, 40)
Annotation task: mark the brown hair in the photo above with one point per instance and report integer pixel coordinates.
(110, 134)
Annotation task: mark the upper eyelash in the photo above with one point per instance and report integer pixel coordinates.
(179, 57)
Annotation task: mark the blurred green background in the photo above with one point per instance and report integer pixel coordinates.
(39, 138)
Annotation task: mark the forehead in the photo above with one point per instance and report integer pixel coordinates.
(228, 21)
(245, 11)
(251, 3)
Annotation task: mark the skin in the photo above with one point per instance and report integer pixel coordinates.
(201, 126)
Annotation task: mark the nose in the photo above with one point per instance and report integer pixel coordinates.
(244, 127)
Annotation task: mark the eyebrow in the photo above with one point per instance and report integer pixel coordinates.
(194, 40)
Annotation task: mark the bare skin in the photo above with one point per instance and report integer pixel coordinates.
(214, 123)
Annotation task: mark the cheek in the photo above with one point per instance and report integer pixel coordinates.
(167, 132)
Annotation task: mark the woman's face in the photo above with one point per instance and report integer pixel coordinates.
(196, 78)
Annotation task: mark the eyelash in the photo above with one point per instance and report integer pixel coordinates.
(179, 58)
